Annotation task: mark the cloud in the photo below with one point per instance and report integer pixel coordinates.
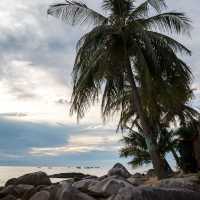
(13, 114)
(25, 143)
(81, 144)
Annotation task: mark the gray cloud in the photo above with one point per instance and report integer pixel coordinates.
(14, 114)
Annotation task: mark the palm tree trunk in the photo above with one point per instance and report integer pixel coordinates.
(196, 146)
(157, 159)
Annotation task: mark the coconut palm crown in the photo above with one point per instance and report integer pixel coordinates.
(128, 48)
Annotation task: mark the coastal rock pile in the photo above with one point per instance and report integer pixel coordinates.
(118, 184)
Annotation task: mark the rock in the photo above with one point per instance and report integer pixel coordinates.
(9, 197)
(190, 182)
(155, 194)
(34, 190)
(6, 191)
(30, 193)
(108, 187)
(22, 189)
(15, 190)
(77, 176)
(37, 178)
(66, 191)
(43, 195)
(119, 170)
(11, 181)
(83, 185)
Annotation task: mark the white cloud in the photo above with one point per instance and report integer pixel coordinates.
(81, 144)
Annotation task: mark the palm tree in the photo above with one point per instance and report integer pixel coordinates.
(124, 49)
(135, 146)
(167, 140)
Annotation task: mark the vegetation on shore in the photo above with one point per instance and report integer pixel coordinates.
(138, 68)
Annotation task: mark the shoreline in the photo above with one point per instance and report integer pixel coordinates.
(117, 184)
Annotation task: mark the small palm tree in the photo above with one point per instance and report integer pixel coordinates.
(136, 147)
(124, 49)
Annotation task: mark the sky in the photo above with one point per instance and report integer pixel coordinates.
(36, 59)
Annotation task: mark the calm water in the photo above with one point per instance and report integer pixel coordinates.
(14, 172)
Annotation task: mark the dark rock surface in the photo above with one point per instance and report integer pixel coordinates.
(9, 197)
(43, 195)
(69, 175)
(15, 190)
(119, 170)
(66, 191)
(109, 186)
(156, 194)
(37, 178)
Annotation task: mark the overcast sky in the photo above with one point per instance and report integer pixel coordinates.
(36, 60)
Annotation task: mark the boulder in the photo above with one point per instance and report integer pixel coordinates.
(65, 191)
(35, 190)
(119, 170)
(42, 195)
(15, 190)
(76, 176)
(108, 187)
(11, 181)
(190, 182)
(22, 189)
(6, 191)
(83, 185)
(9, 197)
(155, 194)
(37, 178)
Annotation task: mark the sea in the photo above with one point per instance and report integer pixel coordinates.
(8, 172)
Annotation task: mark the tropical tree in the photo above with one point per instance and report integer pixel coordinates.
(168, 140)
(135, 147)
(125, 49)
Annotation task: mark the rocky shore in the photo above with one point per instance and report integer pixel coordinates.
(118, 184)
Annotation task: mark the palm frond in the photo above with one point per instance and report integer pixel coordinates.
(158, 5)
(143, 9)
(166, 40)
(74, 12)
(169, 22)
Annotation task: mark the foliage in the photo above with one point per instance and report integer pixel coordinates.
(128, 63)
(136, 148)
(101, 53)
